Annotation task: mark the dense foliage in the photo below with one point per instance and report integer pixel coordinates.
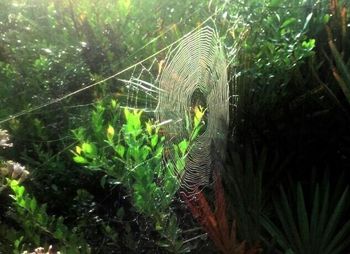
(85, 175)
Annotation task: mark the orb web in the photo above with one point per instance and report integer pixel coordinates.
(197, 64)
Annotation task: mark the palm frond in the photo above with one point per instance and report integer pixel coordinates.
(320, 231)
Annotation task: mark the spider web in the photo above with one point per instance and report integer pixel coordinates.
(192, 66)
(195, 69)
(197, 66)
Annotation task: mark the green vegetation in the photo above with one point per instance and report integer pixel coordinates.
(85, 167)
(36, 223)
(132, 156)
(315, 232)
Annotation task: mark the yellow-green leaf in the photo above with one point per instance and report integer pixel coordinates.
(198, 115)
(87, 148)
(80, 159)
(78, 149)
(110, 132)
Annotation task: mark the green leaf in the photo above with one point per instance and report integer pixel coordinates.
(337, 244)
(159, 151)
(302, 217)
(133, 122)
(326, 19)
(195, 132)
(159, 226)
(88, 148)
(19, 191)
(33, 205)
(324, 212)
(285, 215)
(80, 159)
(288, 22)
(183, 145)
(275, 3)
(114, 104)
(335, 218)
(120, 150)
(145, 151)
(97, 118)
(135, 151)
(315, 214)
(154, 140)
(309, 45)
(274, 231)
(58, 234)
(13, 184)
(21, 202)
(344, 80)
(180, 165)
